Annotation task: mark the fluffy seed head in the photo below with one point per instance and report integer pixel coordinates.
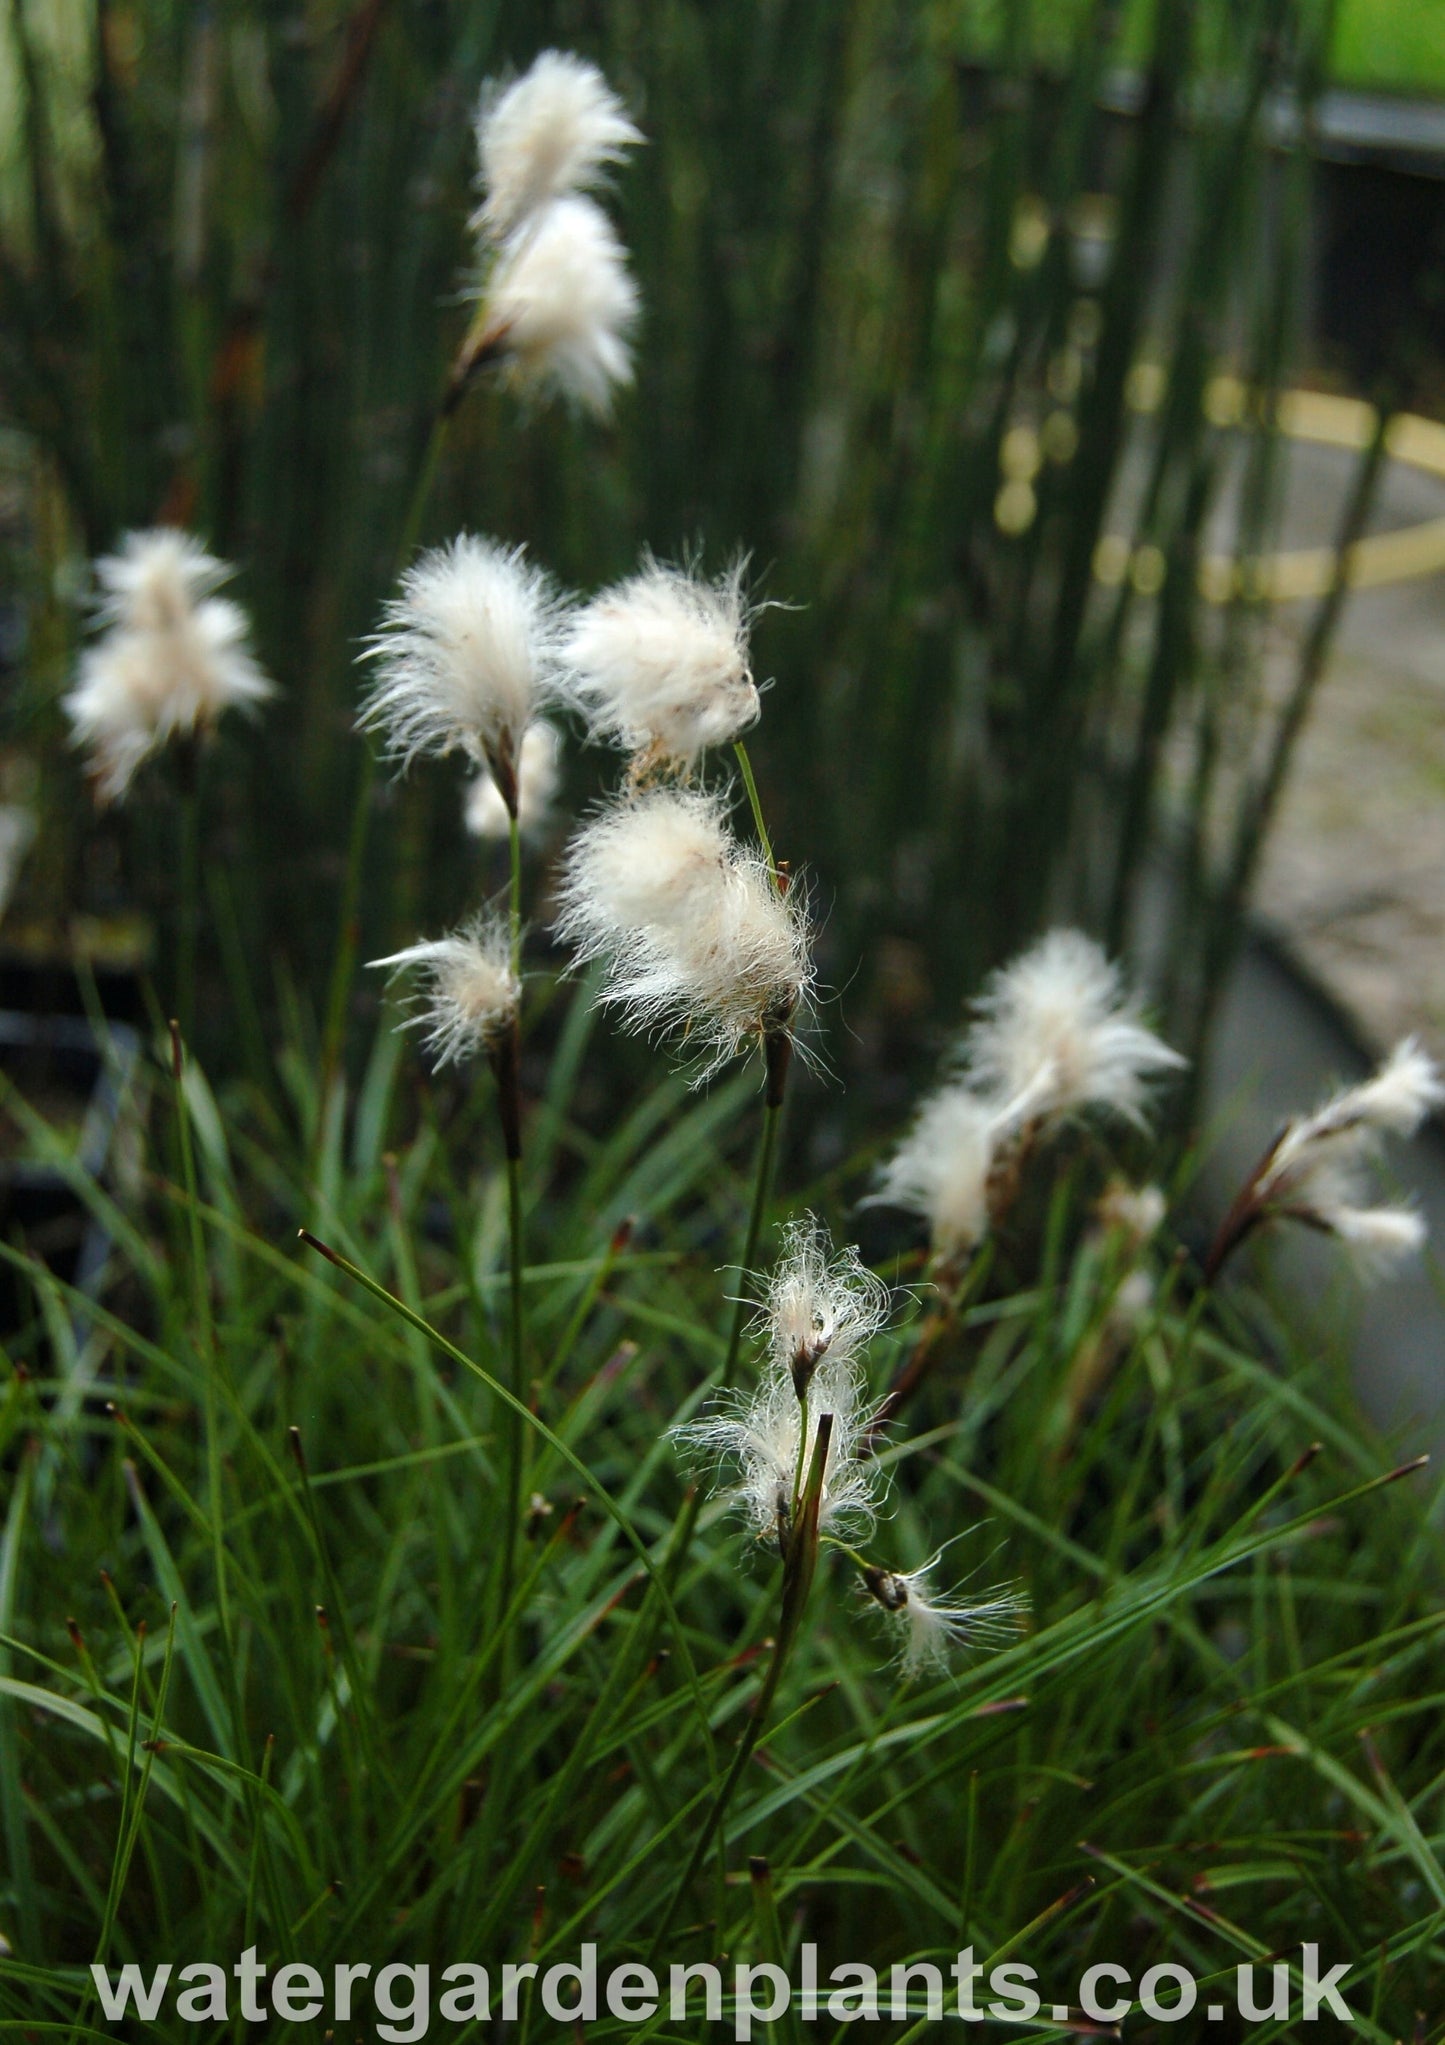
(470, 992)
(172, 657)
(821, 1305)
(761, 1435)
(553, 130)
(929, 1627)
(1056, 1032)
(690, 924)
(560, 305)
(465, 656)
(486, 812)
(1381, 1237)
(659, 664)
(940, 1171)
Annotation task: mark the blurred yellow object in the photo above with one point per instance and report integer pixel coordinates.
(1327, 420)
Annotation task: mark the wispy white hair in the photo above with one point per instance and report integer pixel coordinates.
(690, 923)
(659, 663)
(470, 992)
(465, 657)
(1057, 1031)
(560, 304)
(172, 656)
(554, 130)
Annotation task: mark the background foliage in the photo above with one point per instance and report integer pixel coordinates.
(931, 314)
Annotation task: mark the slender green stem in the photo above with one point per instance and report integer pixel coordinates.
(190, 899)
(757, 808)
(349, 926)
(762, 1185)
(514, 900)
(516, 1439)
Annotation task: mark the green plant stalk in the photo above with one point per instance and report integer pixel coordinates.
(349, 924)
(799, 1567)
(508, 1071)
(189, 854)
(762, 1186)
(757, 808)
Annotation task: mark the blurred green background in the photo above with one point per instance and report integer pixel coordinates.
(965, 320)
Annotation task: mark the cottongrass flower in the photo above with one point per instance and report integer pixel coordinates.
(465, 657)
(930, 1627)
(537, 775)
(1314, 1171)
(659, 663)
(941, 1170)
(691, 927)
(554, 130)
(820, 1311)
(471, 994)
(821, 1304)
(1053, 1035)
(1057, 1031)
(172, 657)
(558, 309)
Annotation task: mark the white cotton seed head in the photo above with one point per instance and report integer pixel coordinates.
(659, 664)
(1381, 1237)
(172, 658)
(470, 994)
(689, 923)
(553, 130)
(821, 1305)
(537, 774)
(465, 656)
(940, 1171)
(930, 1627)
(1057, 1032)
(1396, 1099)
(560, 305)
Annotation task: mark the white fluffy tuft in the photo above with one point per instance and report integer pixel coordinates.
(1056, 1032)
(768, 1435)
(560, 305)
(471, 993)
(930, 1626)
(172, 658)
(659, 663)
(940, 1171)
(689, 922)
(552, 131)
(465, 657)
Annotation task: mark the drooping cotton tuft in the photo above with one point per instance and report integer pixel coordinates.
(940, 1171)
(172, 658)
(930, 1627)
(659, 663)
(559, 306)
(690, 923)
(1056, 1032)
(767, 1435)
(554, 130)
(1316, 1169)
(466, 655)
(470, 993)
(537, 774)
